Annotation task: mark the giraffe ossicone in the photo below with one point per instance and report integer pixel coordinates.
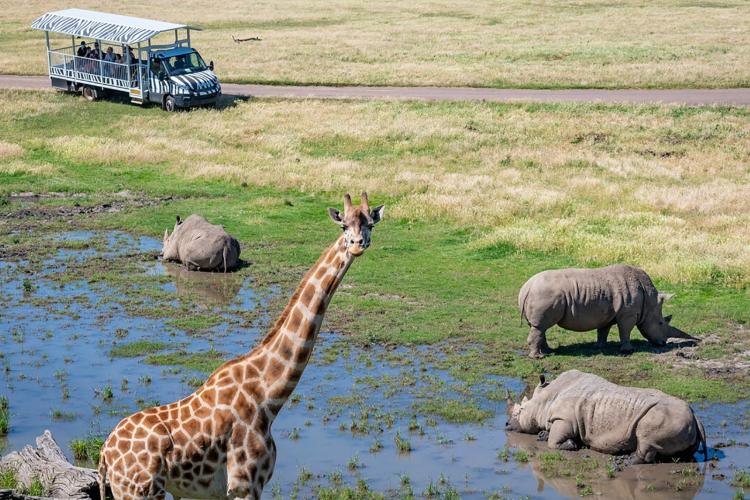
(216, 442)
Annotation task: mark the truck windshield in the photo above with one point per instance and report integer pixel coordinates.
(184, 64)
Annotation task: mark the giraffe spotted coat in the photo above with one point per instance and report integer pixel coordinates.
(217, 443)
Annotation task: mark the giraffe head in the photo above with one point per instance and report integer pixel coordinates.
(357, 223)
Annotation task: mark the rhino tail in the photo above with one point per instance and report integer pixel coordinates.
(225, 259)
(523, 295)
(702, 437)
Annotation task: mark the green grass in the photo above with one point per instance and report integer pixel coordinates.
(4, 415)
(8, 479)
(741, 479)
(205, 362)
(87, 449)
(137, 348)
(360, 492)
(35, 489)
(454, 411)
(427, 278)
(403, 445)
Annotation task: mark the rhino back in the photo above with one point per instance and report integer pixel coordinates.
(583, 299)
(603, 414)
(202, 243)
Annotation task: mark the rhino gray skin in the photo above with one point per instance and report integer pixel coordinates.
(201, 246)
(580, 408)
(595, 299)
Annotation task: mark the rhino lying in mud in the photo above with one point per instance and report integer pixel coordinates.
(201, 246)
(588, 299)
(583, 409)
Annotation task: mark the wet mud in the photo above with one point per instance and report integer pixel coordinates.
(103, 329)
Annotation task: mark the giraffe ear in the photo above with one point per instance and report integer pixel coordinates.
(377, 214)
(335, 216)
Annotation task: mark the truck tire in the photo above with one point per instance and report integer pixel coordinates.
(90, 93)
(170, 105)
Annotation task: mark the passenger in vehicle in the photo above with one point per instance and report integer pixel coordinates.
(109, 56)
(82, 50)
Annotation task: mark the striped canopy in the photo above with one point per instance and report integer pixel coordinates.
(103, 26)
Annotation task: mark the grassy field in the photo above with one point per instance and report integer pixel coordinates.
(479, 197)
(518, 43)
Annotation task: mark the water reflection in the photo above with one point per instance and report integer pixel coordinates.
(652, 481)
(208, 289)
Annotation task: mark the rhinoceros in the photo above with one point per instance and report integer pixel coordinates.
(595, 299)
(580, 408)
(200, 245)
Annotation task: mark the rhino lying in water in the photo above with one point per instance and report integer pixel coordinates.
(201, 246)
(588, 299)
(583, 409)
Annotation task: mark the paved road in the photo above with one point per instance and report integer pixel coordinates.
(728, 97)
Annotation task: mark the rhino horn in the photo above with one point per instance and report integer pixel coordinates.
(166, 235)
(663, 297)
(679, 334)
(508, 399)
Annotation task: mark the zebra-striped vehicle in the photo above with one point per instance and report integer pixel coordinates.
(171, 74)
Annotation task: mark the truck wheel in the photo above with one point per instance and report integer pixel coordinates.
(169, 104)
(90, 93)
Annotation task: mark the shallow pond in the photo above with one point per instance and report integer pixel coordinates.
(84, 340)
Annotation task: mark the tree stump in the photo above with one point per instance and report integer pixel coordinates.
(48, 464)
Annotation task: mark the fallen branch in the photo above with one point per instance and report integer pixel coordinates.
(47, 464)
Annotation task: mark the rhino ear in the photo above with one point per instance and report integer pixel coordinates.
(524, 400)
(663, 297)
(179, 221)
(542, 381)
(668, 318)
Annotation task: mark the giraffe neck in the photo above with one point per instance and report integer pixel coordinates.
(288, 346)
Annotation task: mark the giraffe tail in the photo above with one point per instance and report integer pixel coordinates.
(102, 476)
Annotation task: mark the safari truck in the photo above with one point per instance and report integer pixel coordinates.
(171, 74)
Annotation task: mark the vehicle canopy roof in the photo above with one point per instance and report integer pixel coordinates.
(104, 26)
(177, 51)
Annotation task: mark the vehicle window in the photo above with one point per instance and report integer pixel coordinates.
(157, 68)
(185, 64)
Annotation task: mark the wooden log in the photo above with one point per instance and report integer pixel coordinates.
(48, 464)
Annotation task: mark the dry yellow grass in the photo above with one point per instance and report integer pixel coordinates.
(480, 43)
(9, 150)
(667, 188)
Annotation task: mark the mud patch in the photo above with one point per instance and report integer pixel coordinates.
(101, 329)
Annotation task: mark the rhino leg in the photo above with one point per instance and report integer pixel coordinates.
(624, 327)
(537, 343)
(601, 336)
(561, 436)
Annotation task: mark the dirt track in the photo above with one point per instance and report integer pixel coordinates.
(726, 97)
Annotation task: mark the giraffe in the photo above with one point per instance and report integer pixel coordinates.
(217, 443)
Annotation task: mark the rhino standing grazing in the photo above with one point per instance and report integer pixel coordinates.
(200, 245)
(595, 299)
(583, 409)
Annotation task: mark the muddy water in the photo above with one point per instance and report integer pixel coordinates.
(58, 325)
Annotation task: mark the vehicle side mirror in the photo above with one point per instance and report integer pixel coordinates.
(211, 65)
